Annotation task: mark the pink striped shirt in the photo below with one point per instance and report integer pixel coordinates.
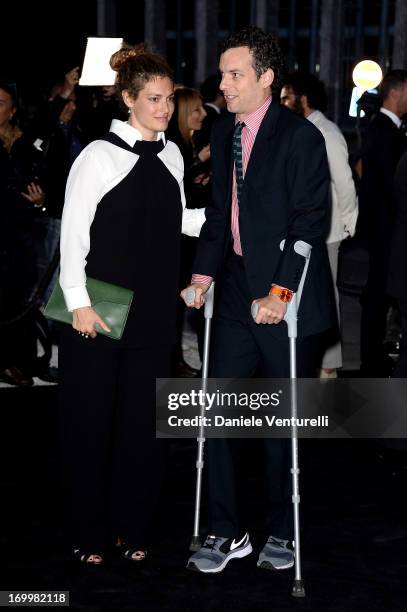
(252, 124)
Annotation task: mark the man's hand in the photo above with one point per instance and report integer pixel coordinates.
(200, 289)
(84, 321)
(271, 310)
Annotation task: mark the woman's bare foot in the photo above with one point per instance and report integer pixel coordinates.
(88, 558)
(92, 559)
(133, 554)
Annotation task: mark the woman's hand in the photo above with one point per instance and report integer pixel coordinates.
(35, 194)
(205, 154)
(84, 321)
(202, 179)
(71, 79)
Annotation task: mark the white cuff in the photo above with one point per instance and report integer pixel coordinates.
(192, 221)
(76, 297)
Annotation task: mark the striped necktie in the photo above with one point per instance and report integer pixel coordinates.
(238, 157)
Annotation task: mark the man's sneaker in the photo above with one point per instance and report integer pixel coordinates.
(276, 555)
(216, 553)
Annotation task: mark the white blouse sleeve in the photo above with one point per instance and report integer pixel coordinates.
(192, 218)
(83, 193)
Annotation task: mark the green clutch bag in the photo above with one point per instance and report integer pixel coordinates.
(111, 302)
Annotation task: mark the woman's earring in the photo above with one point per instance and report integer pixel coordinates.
(129, 110)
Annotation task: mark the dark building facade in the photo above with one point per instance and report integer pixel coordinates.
(325, 37)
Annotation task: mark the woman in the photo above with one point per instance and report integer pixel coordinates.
(187, 119)
(121, 224)
(184, 126)
(20, 193)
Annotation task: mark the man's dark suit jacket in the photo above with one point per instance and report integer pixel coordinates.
(284, 196)
(383, 145)
(397, 281)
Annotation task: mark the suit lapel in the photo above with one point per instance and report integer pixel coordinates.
(229, 158)
(263, 144)
(261, 149)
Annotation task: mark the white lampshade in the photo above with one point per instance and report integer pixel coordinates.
(367, 75)
(96, 70)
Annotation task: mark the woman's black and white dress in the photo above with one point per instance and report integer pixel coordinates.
(122, 221)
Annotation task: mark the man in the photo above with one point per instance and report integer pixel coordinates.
(397, 278)
(306, 95)
(383, 145)
(276, 188)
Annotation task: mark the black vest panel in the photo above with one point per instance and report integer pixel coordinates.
(134, 243)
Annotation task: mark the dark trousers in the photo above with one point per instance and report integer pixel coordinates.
(110, 457)
(401, 368)
(241, 348)
(375, 305)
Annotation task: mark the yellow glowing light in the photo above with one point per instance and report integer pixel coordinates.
(367, 75)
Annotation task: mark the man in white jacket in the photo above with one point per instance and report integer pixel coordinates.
(306, 95)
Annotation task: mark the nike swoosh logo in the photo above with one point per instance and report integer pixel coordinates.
(236, 545)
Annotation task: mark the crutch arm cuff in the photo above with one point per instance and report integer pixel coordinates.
(290, 266)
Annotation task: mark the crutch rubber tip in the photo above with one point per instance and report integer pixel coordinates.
(195, 544)
(298, 589)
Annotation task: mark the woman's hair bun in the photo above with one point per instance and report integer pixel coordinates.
(126, 53)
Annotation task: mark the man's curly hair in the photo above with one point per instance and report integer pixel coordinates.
(264, 48)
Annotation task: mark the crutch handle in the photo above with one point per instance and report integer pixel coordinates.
(208, 297)
(304, 249)
(190, 296)
(254, 309)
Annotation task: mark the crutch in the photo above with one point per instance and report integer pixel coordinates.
(208, 312)
(304, 249)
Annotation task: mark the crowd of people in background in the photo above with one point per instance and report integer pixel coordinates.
(101, 184)
(36, 156)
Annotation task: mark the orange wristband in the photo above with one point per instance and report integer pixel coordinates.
(285, 295)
